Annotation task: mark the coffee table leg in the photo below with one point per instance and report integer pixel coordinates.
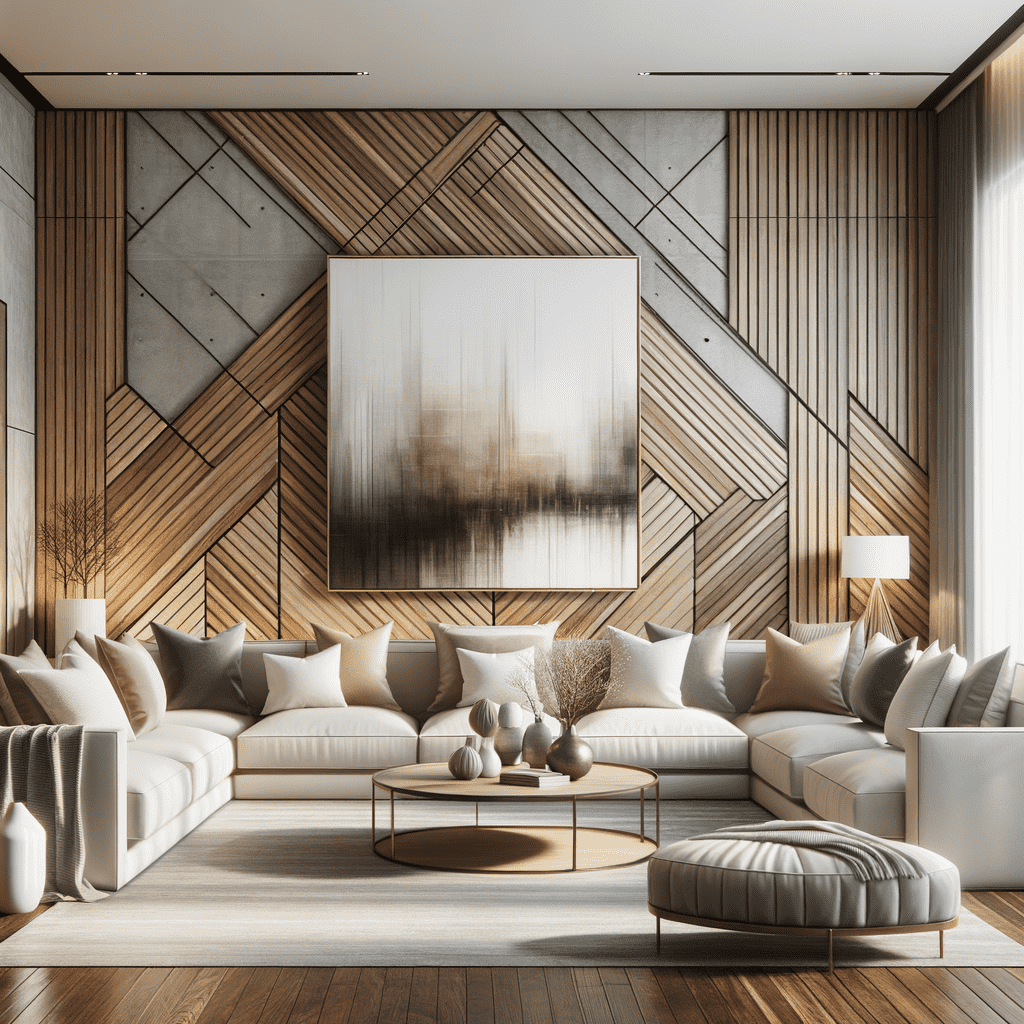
(657, 813)
(642, 834)
(392, 824)
(373, 814)
(574, 833)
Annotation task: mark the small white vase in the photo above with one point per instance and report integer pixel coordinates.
(22, 861)
(489, 756)
(508, 740)
(88, 614)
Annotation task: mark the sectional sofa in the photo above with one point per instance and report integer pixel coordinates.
(956, 791)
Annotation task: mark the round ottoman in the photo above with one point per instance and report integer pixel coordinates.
(759, 885)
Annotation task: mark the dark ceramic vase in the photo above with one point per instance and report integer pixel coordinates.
(570, 755)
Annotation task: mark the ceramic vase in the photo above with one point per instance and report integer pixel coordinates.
(22, 861)
(570, 755)
(465, 764)
(508, 740)
(88, 614)
(490, 759)
(536, 740)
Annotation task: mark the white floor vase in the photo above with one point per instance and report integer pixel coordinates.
(22, 861)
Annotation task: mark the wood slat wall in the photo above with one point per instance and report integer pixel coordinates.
(80, 278)
(832, 283)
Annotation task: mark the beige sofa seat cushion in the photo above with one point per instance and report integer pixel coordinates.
(779, 758)
(159, 789)
(863, 788)
(442, 734)
(209, 757)
(330, 738)
(665, 738)
(224, 723)
(785, 886)
(772, 721)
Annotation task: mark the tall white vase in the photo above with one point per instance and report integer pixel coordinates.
(22, 861)
(89, 614)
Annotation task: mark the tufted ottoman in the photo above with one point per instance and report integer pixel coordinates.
(803, 878)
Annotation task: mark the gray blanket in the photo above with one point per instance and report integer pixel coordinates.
(40, 766)
(869, 857)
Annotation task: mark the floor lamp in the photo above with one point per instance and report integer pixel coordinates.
(877, 558)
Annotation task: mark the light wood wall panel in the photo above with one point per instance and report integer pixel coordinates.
(182, 606)
(80, 231)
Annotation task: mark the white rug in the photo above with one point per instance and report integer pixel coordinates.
(295, 883)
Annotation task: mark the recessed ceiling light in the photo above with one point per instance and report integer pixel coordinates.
(873, 73)
(142, 72)
(844, 72)
(643, 73)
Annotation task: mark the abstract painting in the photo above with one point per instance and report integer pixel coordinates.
(483, 423)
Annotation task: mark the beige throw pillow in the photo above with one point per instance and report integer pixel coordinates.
(803, 677)
(136, 680)
(310, 682)
(926, 694)
(363, 670)
(645, 675)
(17, 702)
(486, 639)
(78, 693)
(808, 632)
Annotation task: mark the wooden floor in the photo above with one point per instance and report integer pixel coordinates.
(510, 995)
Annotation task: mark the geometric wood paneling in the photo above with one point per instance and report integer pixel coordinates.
(132, 426)
(664, 518)
(741, 574)
(889, 494)
(182, 606)
(241, 574)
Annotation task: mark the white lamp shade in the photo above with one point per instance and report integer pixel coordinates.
(884, 558)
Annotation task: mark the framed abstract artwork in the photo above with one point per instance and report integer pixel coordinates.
(483, 423)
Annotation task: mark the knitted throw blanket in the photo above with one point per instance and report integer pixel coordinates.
(40, 766)
(869, 857)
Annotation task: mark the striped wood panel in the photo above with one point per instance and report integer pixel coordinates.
(242, 574)
(818, 518)
(664, 518)
(132, 426)
(831, 259)
(182, 606)
(80, 321)
(889, 494)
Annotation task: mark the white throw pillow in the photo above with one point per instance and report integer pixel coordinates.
(704, 674)
(311, 682)
(78, 693)
(491, 675)
(926, 694)
(646, 675)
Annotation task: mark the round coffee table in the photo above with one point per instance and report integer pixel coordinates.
(515, 849)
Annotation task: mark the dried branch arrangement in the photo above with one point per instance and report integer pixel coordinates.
(77, 536)
(574, 677)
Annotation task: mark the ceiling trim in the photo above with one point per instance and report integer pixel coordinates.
(23, 85)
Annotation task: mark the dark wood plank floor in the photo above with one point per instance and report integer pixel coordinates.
(510, 995)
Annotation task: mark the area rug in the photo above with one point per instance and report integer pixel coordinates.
(295, 883)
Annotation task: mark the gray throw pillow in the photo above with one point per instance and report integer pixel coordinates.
(703, 684)
(808, 632)
(17, 702)
(202, 673)
(984, 695)
(925, 695)
(879, 677)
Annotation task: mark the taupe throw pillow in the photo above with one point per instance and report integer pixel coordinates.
(879, 677)
(984, 694)
(201, 673)
(803, 677)
(17, 702)
(486, 640)
(808, 632)
(703, 683)
(136, 680)
(364, 665)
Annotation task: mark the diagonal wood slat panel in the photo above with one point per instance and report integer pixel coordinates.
(741, 566)
(665, 596)
(241, 574)
(132, 425)
(889, 494)
(220, 418)
(182, 606)
(664, 518)
(581, 613)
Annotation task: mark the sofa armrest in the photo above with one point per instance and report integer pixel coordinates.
(965, 800)
(1015, 712)
(104, 792)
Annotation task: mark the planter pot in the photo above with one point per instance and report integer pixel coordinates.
(570, 755)
(88, 614)
(22, 861)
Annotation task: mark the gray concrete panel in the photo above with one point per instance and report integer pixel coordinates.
(21, 535)
(190, 140)
(17, 137)
(166, 365)
(154, 171)
(668, 143)
(675, 246)
(668, 292)
(712, 249)
(705, 193)
(18, 290)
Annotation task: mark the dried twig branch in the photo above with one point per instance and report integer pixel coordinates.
(574, 677)
(77, 536)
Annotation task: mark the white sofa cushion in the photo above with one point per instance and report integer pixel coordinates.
(209, 757)
(225, 723)
(863, 788)
(159, 789)
(330, 738)
(442, 734)
(664, 738)
(779, 758)
(772, 721)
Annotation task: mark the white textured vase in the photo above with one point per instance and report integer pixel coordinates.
(22, 861)
(88, 614)
(489, 756)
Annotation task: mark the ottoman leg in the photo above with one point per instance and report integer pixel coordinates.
(831, 969)
(657, 941)
(942, 948)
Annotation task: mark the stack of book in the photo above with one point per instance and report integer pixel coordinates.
(536, 777)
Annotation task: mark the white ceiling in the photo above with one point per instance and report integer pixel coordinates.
(473, 54)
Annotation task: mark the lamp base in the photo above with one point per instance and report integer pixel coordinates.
(878, 617)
